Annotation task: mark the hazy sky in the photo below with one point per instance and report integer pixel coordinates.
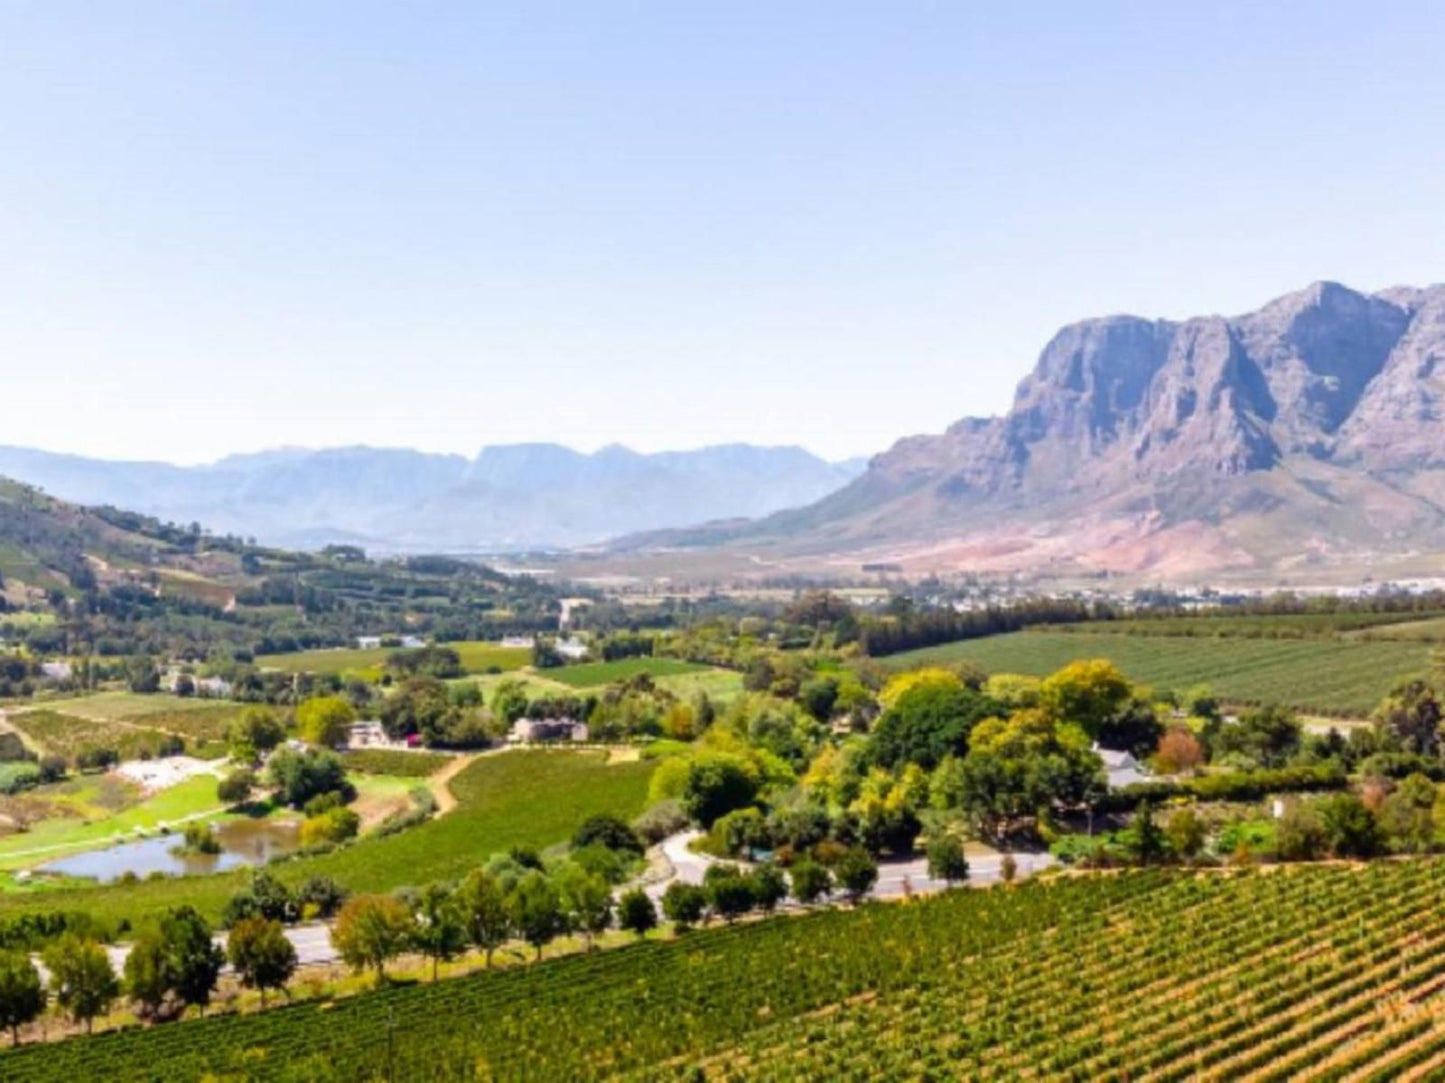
(225, 226)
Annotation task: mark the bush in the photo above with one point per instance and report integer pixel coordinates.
(335, 825)
(236, 787)
(607, 831)
(661, 820)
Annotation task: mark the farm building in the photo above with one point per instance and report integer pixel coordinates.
(1121, 768)
(549, 729)
(368, 643)
(56, 671)
(572, 649)
(371, 734)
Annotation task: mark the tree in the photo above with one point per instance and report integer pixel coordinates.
(483, 907)
(265, 896)
(440, 931)
(147, 974)
(300, 776)
(1267, 735)
(608, 831)
(810, 881)
(192, 956)
(1185, 833)
(323, 721)
(370, 930)
(261, 954)
(636, 912)
(818, 696)
(235, 788)
(728, 891)
(946, 859)
(1349, 826)
(81, 978)
(1412, 714)
(1407, 815)
(684, 904)
(535, 909)
(1179, 751)
(22, 997)
(927, 720)
(1008, 868)
(857, 873)
(716, 785)
(586, 900)
(509, 700)
(1087, 693)
(1298, 834)
(768, 886)
(1143, 840)
(255, 733)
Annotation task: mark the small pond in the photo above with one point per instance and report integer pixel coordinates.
(243, 842)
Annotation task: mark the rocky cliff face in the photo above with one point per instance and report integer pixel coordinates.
(1316, 422)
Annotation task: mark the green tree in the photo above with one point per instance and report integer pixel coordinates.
(535, 909)
(810, 881)
(483, 907)
(236, 787)
(857, 873)
(1299, 835)
(1349, 826)
(586, 900)
(440, 934)
(608, 831)
(728, 892)
(1087, 693)
(1185, 833)
(323, 721)
(509, 701)
(946, 859)
(1407, 815)
(81, 978)
(255, 733)
(300, 776)
(22, 997)
(192, 956)
(716, 785)
(1143, 840)
(684, 904)
(371, 930)
(1268, 735)
(636, 912)
(768, 886)
(261, 954)
(928, 721)
(1411, 714)
(147, 974)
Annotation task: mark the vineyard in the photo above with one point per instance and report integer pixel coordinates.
(1321, 972)
(1327, 676)
(1263, 625)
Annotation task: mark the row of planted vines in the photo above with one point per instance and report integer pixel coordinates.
(1325, 972)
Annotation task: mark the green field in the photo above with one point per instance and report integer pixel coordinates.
(387, 761)
(1336, 974)
(130, 706)
(1250, 625)
(1426, 631)
(476, 657)
(1328, 676)
(597, 674)
(720, 685)
(63, 834)
(509, 799)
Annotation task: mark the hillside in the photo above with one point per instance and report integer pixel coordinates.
(506, 498)
(1303, 438)
(116, 582)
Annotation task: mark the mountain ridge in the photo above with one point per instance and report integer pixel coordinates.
(1308, 434)
(514, 496)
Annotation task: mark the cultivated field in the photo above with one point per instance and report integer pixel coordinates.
(1312, 972)
(1326, 676)
(476, 657)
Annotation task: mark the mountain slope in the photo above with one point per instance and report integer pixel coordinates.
(1307, 435)
(509, 497)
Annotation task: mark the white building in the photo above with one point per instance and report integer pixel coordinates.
(56, 671)
(368, 643)
(370, 733)
(572, 649)
(549, 729)
(1120, 768)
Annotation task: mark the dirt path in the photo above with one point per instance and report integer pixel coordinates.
(446, 800)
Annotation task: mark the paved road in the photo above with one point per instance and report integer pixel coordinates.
(312, 943)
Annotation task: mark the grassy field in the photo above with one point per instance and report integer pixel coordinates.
(510, 799)
(386, 761)
(597, 674)
(720, 685)
(476, 657)
(1335, 975)
(1321, 675)
(1426, 631)
(1249, 625)
(195, 795)
(127, 706)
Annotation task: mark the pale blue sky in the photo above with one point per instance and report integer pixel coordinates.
(231, 225)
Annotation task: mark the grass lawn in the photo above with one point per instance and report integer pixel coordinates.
(720, 685)
(530, 798)
(596, 674)
(1327, 676)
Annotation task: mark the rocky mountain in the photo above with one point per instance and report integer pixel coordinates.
(1303, 437)
(508, 497)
